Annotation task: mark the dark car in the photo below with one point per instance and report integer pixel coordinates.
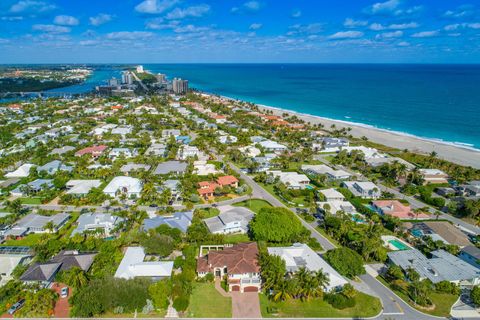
(14, 308)
(153, 205)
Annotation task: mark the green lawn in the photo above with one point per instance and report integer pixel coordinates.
(30, 200)
(443, 301)
(236, 238)
(255, 204)
(366, 306)
(206, 302)
(28, 241)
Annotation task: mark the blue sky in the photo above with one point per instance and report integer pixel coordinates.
(161, 31)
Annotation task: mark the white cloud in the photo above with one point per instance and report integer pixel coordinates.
(190, 29)
(255, 26)
(311, 28)
(351, 23)
(100, 19)
(31, 6)
(389, 35)
(403, 44)
(50, 28)
(460, 12)
(160, 24)
(87, 43)
(155, 6)
(403, 26)
(252, 5)
(129, 35)
(12, 18)
(456, 26)
(475, 25)
(425, 34)
(377, 27)
(296, 13)
(346, 35)
(384, 7)
(194, 11)
(66, 20)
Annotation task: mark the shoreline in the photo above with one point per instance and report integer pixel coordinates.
(450, 151)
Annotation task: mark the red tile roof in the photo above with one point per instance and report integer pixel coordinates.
(227, 180)
(91, 150)
(239, 259)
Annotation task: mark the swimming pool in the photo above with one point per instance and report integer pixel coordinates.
(398, 244)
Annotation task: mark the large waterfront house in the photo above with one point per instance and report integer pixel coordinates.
(239, 263)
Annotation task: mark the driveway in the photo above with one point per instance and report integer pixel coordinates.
(62, 307)
(245, 305)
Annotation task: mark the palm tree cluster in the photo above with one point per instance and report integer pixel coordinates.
(282, 285)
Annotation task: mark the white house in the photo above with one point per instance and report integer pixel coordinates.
(81, 187)
(202, 168)
(332, 195)
(368, 152)
(231, 220)
(227, 139)
(292, 180)
(300, 255)
(125, 152)
(21, 172)
(95, 221)
(250, 151)
(331, 174)
(186, 151)
(363, 189)
(132, 187)
(133, 265)
(272, 146)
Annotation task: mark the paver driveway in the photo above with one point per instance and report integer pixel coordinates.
(245, 305)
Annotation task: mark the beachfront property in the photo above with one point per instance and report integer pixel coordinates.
(292, 180)
(442, 266)
(230, 220)
(369, 153)
(395, 208)
(330, 144)
(133, 265)
(81, 187)
(239, 263)
(131, 187)
(322, 169)
(299, 255)
(434, 176)
(179, 220)
(103, 223)
(35, 223)
(363, 189)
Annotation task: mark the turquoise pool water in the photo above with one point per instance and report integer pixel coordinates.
(398, 244)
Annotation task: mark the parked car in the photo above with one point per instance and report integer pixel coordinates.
(16, 306)
(64, 292)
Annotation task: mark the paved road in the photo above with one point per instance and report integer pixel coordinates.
(139, 81)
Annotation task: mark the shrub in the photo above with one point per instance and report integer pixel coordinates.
(447, 287)
(475, 295)
(181, 303)
(346, 261)
(339, 301)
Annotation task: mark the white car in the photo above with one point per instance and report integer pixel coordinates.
(64, 292)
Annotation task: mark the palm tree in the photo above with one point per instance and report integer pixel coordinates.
(323, 280)
(77, 277)
(283, 291)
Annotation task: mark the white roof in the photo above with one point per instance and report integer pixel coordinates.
(133, 185)
(270, 144)
(82, 186)
(22, 171)
(332, 193)
(132, 266)
(368, 152)
(432, 172)
(300, 255)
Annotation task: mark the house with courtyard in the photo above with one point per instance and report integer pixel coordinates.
(131, 187)
(94, 151)
(293, 180)
(53, 167)
(230, 220)
(35, 223)
(133, 265)
(363, 189)
(171, 167)
(179, 220)
(239, 263)
(397, 209)
(95, 222)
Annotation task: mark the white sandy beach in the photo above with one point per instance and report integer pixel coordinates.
(450, 152)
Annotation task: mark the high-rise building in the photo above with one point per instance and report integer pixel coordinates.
(162, 78)
(113, 82)
(127, 78)
(140, 69)
(180, 86)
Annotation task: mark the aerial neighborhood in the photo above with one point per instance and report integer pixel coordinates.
(187, 204)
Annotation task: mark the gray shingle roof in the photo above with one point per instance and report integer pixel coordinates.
(171, 166)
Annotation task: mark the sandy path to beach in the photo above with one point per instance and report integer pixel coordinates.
(448, 152)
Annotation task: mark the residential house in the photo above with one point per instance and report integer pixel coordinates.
(54, 166)
(171, 132)
(332, 195)
(183, 139)
(97, 221)
(395, 208)
(35, 223)
(129, 167)
(21, 172)
(179, 220)
(122, 152)
(330, 144)
(239, 263)
(471, 254)
(171, 167)
(331, 174)
(363, 189)
(122, 130)
(10, 258)
(131, 187)
(133, 266)
(32, 187)
(442, 266)
(81, 187)
(62, 150)
(292, 180)
(230, 220)
(227, 139)
(368, 153)
(300, 255)
(272, 146)
(207, 188)
(94, 151)
(157, 149)
(250, 151)
(434, 176)
(202, 168)
(186, 151)
(441, 230)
